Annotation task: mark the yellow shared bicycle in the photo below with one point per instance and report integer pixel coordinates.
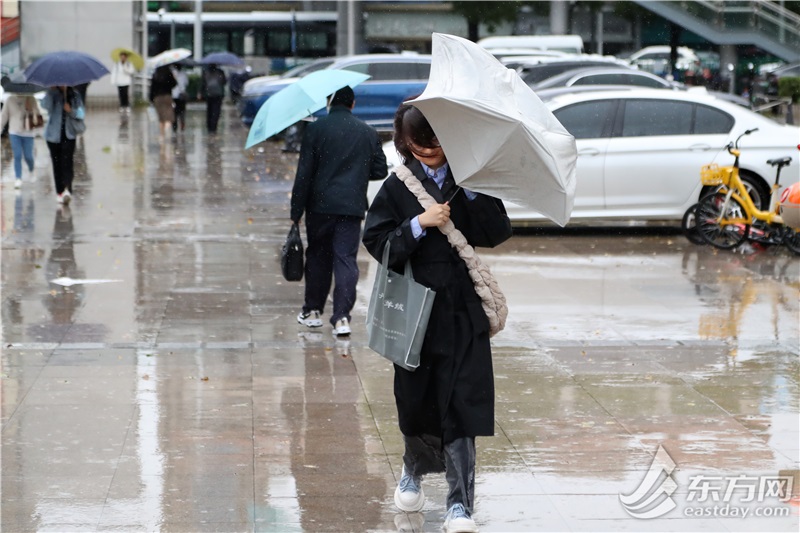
(727, 217)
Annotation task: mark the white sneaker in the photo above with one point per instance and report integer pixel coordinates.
(310, 319)
(17, 183)
(458, 520)
(408, 496)
(341, 328)
(66, 197)
(60, 198)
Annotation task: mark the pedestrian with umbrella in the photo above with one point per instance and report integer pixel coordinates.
(161, 86)
(62, 72)
(449, 399)
(122, 73)
(213, 89)
(65, 122)
(21, 114)
(475, 137)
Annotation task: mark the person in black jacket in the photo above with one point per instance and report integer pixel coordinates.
(213, 89)
(449, 399)
(338, 157)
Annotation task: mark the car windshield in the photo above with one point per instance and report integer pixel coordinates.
(304, 70)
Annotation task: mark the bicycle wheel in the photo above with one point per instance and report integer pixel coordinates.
(721, 223)
(689, 226)
(792, 240)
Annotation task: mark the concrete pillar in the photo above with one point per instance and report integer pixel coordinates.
(559, 17)
(350, 28)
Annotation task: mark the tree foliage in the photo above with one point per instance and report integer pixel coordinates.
(486, 12)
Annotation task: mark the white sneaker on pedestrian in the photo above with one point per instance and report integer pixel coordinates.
(408, 496)
(66, 196)
(342, 327)
(458, 520)
(60, 198)
(311, 319)
(17, 183)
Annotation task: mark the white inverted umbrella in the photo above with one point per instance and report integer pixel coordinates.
(499, 138)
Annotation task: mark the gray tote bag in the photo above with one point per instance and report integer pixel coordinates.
(398, 315)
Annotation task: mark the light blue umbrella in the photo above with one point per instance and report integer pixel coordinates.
(299, 100)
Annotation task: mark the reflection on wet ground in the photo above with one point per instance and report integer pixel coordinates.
(154, 378)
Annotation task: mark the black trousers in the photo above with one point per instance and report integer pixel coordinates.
(180, 114)
(123, 96)
(213, 111)
(333, 242)
(424, 454)
(62, 154)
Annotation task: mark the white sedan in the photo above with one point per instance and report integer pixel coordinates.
(640, 151)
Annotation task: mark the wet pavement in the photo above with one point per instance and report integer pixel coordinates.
(154, 377)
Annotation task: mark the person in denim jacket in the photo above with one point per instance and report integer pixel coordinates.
(65, 122)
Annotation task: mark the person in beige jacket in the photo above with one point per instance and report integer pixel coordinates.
(19, 131)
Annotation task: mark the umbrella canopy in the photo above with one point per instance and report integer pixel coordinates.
(298, 100)
(223, 58)
(136, 60)
(16, 84)
(65, 68)
(168, 57)
(499, 138)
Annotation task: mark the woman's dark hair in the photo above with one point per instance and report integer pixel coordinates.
(411, 125)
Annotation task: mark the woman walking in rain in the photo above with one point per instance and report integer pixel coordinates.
(449, 399)
(161, 95)
(15, 112)
(64, 123)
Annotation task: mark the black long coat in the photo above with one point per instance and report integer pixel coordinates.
(451, 394)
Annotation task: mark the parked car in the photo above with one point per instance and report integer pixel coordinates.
(395, 77)
(542, 70)
(571, 44)
(605, 76)
(655, 59)
(640, 151)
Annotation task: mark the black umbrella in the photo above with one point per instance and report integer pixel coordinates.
(16, 84)
(222, 58)
(65, 68)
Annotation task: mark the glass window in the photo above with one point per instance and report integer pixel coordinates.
(585, 120)
(645, 118)
(312, 43)
(709, 120)
(393, 71)
(279, 43)
(423, 71)
(358, 67)
(602, 79)
(215, 41)
(644, 81)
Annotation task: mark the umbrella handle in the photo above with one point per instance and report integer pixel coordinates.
(458, 188)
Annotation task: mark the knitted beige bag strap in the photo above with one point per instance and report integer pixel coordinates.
(494, 302)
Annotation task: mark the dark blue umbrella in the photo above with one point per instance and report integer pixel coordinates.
(65, 68)
(17, 84)
(222, 58)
